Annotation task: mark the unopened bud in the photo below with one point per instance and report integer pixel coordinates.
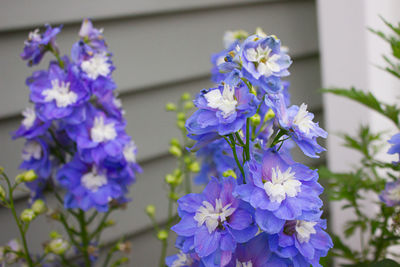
(255, 119)
(229, 173)
(28, 176)
(162, 235)
(151, 210)
(124, 247)
(170, 107)
(175, 142)
(180, 124)
(194, 167)
(185, 96)
(181, 116)
(27, 215)
(170, 179)
(176, 151)
(110, 223)
(39, 206)
(54, 235)
(174, 196)
(188, 105)
(58, 246)
(269, 115)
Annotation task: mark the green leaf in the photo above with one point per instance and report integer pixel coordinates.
(369, 100)
(384, 263)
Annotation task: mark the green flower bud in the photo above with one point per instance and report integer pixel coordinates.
(2, 193)
(175, 142)
(229, 173)
(187, 160)
(162, 235)
(194, 167)
(181, 116)
(28, 176)
(188, 105)
(1, 169)
(170, 107)
(54, 235)
(124, 247)
(176, 151)
(27, 215)
(39, 207)
(269, 115)
(170, 179)
(109, 223)
(151, 210)
(58, 246)
(185, 96)
(255, 119)
(180, 124)
(174, 196)
(177, 172)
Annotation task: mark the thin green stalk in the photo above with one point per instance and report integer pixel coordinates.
(101, 225)
(232, 144)
(109, 256)
(84, 238)
(247, 147)
(276, 139)
(19, 225)
(168, 226)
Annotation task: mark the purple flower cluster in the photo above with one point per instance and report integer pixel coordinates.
(245, 125)
(75, 130)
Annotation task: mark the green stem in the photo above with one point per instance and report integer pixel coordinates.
(247, 147)
(276, 139)
(101, 225)
(109, 256)
(20, 227)
(232, 144)
(168, 226)
(85, 238)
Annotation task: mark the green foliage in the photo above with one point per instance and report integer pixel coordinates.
(377, 232)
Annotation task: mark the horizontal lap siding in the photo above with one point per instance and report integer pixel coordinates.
(160, 52)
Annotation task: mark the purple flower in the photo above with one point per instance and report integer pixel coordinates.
(395, 142)
(36, 156)
(58, 94)
(38, 44)
(304, 242)
(183, 260)
(279, 190)
(263, 62)
(31, 125)
(391, 194)
(88, 186)
(222, 110)
(213, 222)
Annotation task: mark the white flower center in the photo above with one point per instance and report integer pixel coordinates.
(101, 132)
(303, 119)
(60, 93)
(29, 117)
(266, 64)
(282, 185)
(96, 66)
(92, 180)
(213, 216)
(394, 194)
(182, 260)
(32, 150)
(244, 264)
(34, 36)
(129, 152)
(304, 229)
(225, 102)
(220, 60)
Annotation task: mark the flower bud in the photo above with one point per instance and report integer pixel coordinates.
(255, 119)
(170, 179)
(2, 193)
(194, 167)
(176, 151)
(28, 176)
(162, 235)
(170, 107)
(181, 116)
(151, 210)
(109, 223)
(124, 247)
(58, 246)
(185, 96)
(1, 169)
(27, 215)
(188, 105)
(39, 206)
(174, 196)
(175, 142)
(269, 115)
(229, 173)
(180, 124)
(54, 235)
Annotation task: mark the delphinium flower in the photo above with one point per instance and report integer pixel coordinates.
(76, 130)
(391, 194)
(183, 260)
(213, 222)
(395, 142)
(250, 111)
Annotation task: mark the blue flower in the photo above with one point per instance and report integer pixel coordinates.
(38, 44)
(391, 194)
(395, 142)
(263, 62)
(183, 260)
(222, 110)
(31, 125)
(304, 242)
(88, 186)
(279, 190)
(213, 222)
(58, 94)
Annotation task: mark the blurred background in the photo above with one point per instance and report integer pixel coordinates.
(162, 49)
